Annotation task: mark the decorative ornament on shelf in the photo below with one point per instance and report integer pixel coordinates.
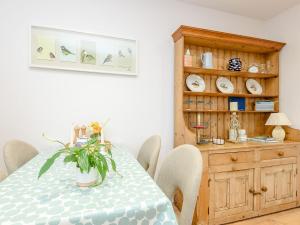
(235, 64)
(263, 68)
(234, 122)
(242, 135)
(253, 68)
(207, 60)
(200, 126)
(188, 58)
(278, 120)
(218, 141)
(91, 156)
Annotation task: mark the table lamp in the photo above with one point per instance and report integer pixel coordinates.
(278, 120)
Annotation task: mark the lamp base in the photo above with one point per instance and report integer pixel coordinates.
(278, 133)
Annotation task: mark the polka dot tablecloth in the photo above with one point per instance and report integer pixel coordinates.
(133, 199)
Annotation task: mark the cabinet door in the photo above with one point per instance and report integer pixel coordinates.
(278, 185)
(229, 193)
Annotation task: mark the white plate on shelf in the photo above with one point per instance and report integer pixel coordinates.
(253, 87)
(224, 85)
(195, 83)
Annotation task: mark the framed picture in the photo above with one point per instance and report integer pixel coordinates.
(71, 50)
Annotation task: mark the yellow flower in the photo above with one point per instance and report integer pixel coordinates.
(96, 127)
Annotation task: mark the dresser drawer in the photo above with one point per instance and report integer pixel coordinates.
(229, 158)
(278, 153)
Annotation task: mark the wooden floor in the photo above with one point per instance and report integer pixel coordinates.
(290, 217)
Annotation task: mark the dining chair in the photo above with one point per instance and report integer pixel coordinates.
(16, 153)
(2, 175)
(182, 169)
(148, 154)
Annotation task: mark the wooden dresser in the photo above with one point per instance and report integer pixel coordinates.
(247, 180)
(239, 180)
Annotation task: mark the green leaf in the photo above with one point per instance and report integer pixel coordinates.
(92, 141)
(113, 165)
(70, 158)
(75, 149)
(103, 160)
(57, 141)
(49, 163)
(101, 170)
(83, 161)
(102, 165)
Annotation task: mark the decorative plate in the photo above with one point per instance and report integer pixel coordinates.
(195, 83)
(224, 85)
(253, 87)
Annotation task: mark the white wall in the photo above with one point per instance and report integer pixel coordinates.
(39, 100)
(285, 27)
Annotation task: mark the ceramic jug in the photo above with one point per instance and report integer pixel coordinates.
(207, 60)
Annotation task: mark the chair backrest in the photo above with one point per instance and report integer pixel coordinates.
(2, 175)
(182, 169)
(16, 153)
(148, 154)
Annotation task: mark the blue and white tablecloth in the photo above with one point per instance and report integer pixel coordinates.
(55, 199)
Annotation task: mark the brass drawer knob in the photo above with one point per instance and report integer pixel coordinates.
(264, 189)
(281, 153)
(234, 158)
(252, 191)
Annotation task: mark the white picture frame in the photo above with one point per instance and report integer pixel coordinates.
(55, 48)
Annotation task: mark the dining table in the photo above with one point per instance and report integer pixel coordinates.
(129, 197)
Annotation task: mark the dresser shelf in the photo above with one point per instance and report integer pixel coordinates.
(212, 94)
(227, 73)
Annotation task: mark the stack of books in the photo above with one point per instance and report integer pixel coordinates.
(264, 105)
(263, 139)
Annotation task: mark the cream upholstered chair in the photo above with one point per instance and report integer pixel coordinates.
(16, 153)
(2, 175)
(182, 169)
(148, 154)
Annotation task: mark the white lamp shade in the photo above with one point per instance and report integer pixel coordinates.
(278, 119)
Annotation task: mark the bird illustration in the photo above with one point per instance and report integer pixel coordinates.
(39, 49)
(107, 59)
(83, 55)
(65, 51)
(90, 57)
(121, 54)
(196, 83)
(52, 56)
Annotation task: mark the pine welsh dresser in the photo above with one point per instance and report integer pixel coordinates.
(243, 180)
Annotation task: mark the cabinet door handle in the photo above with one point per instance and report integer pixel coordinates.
(281, 153)
(264, 189)
(234, 158)
(252, 191)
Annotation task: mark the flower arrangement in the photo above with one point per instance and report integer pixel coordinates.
(87, 157)
(96, 129)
